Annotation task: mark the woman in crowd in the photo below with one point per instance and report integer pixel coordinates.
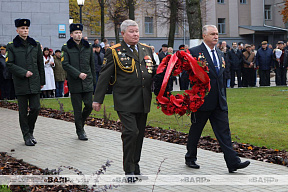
(49, 74)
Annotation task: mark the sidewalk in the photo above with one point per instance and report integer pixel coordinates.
(58, 145)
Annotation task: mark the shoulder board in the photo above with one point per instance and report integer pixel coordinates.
(89, 43)
(37, 41)
(115, 46)
(145, 45)
(65, 44)
(10, 42)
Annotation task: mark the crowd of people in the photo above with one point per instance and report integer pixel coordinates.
(133, 66)
(246, 62)
(242, 61)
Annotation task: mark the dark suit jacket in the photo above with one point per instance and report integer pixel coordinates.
(217, 94)
(161, 56)
(132, 91)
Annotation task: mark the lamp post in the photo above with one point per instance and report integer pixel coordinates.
(80, 4)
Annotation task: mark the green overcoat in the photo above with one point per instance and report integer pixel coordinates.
(76, 61)
(23, 57)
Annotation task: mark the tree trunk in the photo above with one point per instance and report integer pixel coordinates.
(172, 19)
(131, 9)
(116, 29)
(102, 4)
(194, 18)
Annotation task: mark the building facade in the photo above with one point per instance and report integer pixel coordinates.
(247, 21)
(48, 19)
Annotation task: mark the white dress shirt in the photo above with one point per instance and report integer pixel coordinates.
(211, 54)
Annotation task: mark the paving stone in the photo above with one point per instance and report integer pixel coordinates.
(58, 146)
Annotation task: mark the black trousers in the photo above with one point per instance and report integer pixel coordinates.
(27, 119)
(248, 77)
(220, 125)
(79, 115)
(238, 73)
(132, 138)
(264, 77)
(281, 76)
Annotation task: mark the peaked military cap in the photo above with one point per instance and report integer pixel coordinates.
(76, 26)
(22, 22)
(2, 47)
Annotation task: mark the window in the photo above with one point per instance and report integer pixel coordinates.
(243, 2)
(148, 25)
(221, 25)
(220, 1)
(268, 12)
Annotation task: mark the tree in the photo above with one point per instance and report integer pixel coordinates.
(194, 18)
(90, 14)
(117, 13)
(284, 12)
(131, 8)
(171, 12)
(173, 6)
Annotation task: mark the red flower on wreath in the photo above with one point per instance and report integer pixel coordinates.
(190, 100)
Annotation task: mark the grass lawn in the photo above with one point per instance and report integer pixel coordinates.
(258, 116)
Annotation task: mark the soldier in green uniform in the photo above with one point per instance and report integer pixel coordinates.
(132, 65)
(78, 61)
(25, 61)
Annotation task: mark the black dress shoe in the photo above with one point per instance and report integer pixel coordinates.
(130, 177)
(29, 142)
(239, 166)
(82, 137)
(192, 164)
(33, 140)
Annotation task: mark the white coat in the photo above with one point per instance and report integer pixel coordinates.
(49, 74)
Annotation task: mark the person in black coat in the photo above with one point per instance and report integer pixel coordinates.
(235, 60)
(215, 105)
(227, 71)
(163, 53)
(98, 60)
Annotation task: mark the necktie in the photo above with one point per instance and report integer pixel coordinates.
(215, 61)
(134, 50)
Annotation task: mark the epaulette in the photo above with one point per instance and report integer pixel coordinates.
(145, 45)
(115, 46)
(10, 42)
(65, 44)
(89, 43)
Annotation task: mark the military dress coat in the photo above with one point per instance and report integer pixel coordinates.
(21, 58)
(76, 61)
(131, 90)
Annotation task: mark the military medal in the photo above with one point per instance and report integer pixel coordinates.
(119, 53)
(122, 59)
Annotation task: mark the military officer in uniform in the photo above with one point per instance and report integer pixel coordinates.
(24, 60)
(132, 65)
(78, 61)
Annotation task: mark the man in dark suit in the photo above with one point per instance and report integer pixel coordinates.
(215, 106)
(132, 65)
(163, 53)
(235, 59)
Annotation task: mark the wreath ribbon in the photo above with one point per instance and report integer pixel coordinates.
(197, 75)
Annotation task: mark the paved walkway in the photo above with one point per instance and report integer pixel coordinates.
(58, 145)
